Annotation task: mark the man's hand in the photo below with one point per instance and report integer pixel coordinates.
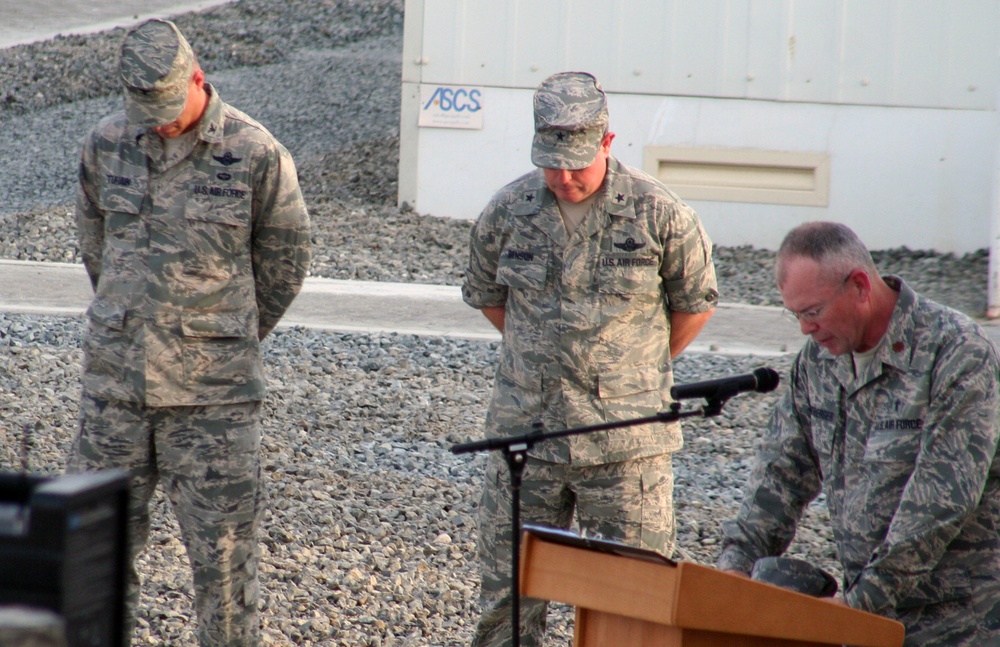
(496, 316)
(684, 327)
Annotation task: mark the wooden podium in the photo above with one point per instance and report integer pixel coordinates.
(630, 601)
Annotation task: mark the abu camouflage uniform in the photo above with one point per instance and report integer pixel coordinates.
(586, 340)
(194, 257)
(905, 454)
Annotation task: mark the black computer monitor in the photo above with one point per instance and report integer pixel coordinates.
(63, 548)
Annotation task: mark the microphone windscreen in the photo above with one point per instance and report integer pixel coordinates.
(767, 379)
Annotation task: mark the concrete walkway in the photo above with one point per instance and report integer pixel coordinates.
(364, 306)
(405, 308)
(27, 22)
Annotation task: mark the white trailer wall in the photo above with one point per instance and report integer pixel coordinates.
(900, 96)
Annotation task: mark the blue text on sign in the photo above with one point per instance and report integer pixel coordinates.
(455, 100)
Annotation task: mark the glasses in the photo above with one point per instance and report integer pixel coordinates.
(812, 314)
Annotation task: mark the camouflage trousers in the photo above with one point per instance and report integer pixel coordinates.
(631, 502)
(207, 459)
(973, 621)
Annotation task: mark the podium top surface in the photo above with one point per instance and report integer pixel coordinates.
(692, 596)
(570, 538)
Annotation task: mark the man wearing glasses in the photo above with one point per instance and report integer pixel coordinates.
(892, 411)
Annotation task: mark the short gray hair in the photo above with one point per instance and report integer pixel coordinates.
(835, 247)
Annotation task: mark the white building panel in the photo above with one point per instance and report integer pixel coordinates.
(926, 53)
(901, 96)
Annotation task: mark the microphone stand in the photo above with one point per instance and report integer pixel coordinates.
(515, 449)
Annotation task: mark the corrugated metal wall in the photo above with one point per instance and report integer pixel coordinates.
(918, 53)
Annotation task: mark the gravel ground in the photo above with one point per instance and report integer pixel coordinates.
(371, 529)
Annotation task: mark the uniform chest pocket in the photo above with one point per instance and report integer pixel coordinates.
(824, 424)
(892, 447)
(121, 208)
(217, 349)
(523, 267)
(632, 392)
(218, 221)
(219, 205)
(628, 273)
(122, 185)
(119, 198)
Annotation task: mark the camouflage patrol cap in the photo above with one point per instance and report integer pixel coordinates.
(571, 117)
(795, 574)
(156, 65)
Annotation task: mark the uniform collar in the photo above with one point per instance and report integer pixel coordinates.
(899, 337)
(616, 193)
(534, 196)
(212, 123)
(897, 347)
(619, 196)
(210, 127)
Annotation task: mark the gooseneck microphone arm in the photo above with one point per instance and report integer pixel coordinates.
(516, 448)
(531, 438)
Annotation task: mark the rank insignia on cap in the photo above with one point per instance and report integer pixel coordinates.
(571, 119)
(897, 347)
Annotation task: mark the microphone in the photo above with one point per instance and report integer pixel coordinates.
(761, 380)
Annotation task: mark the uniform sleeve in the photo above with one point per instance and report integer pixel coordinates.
(688, 271)
(480, 289)
(281, 245)
(785, 478)
(957, 450)
(89, 218)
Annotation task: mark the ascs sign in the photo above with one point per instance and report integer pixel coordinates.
(451, 106)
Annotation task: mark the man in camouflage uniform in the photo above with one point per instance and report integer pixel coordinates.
(196, 238)
(597, 275)
(891, 411)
